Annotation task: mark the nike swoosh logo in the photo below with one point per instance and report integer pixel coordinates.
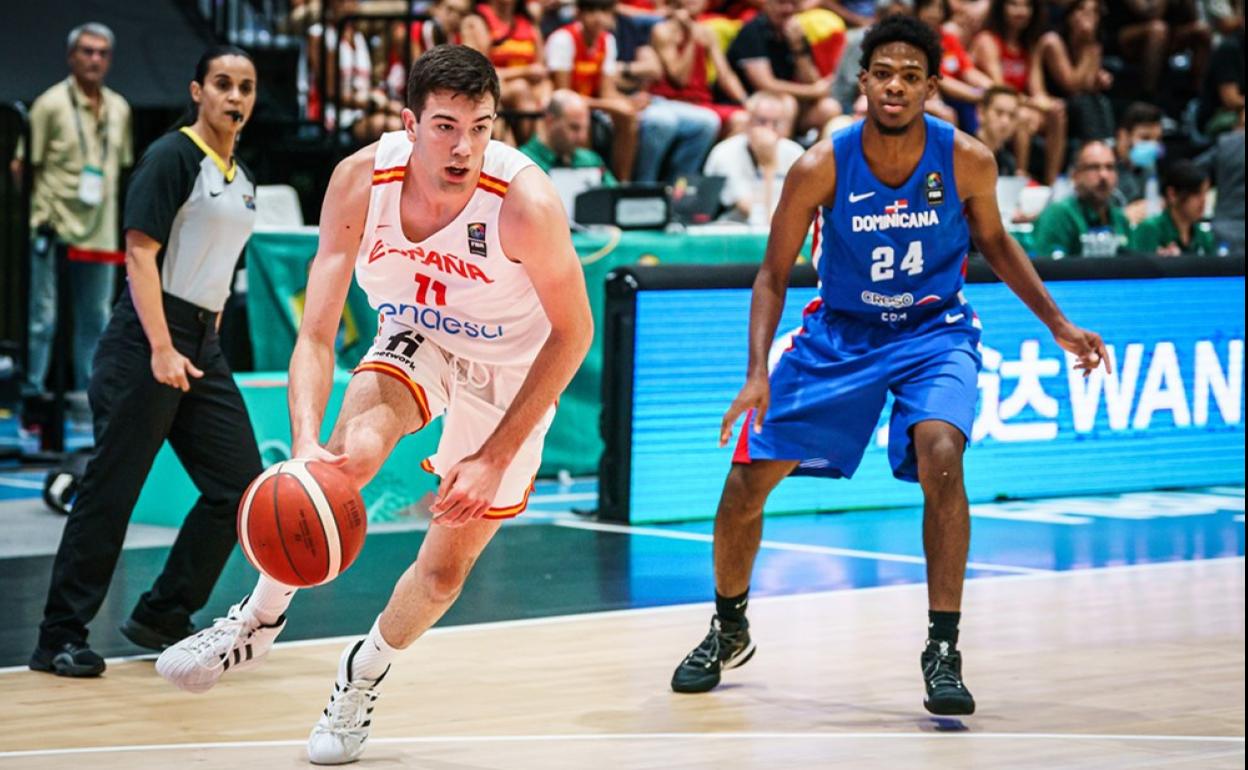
(951, 318)
(860, 196)
(215, 194)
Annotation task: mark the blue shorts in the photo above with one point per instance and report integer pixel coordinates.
(828, 388)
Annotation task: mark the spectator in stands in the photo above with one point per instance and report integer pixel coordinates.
(1087, 224)
(771, 53)
(350, 103)
(80, 141)
(1137, 144)
(967, 19)
(845, 83)
(583, 57)
(962, 85)
(755, 163)
(1222, 99)
(562, 138)
(692, 62)
(1226, 162)
(1004, 51)
(998, 124)
(1178, 230)
(450, 21)
(858, 14)
(1225, 16)
(1147, 32)
(1069, 63)
(517, 52)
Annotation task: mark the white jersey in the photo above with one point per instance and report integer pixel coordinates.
(457, 286)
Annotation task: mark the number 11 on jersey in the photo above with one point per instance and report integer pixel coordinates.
(423, 284)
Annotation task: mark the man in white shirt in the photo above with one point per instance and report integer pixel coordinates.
(756, 162)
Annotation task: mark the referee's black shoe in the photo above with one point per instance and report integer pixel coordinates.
(74, 659)
(942, 672)
(153, 636)
(727, 645)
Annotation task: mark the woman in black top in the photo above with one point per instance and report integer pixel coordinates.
(159, 374)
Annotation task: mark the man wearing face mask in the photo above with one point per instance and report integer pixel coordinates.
(1087, 224)
(1138, 147)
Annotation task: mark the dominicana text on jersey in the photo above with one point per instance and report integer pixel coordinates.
(894, 255)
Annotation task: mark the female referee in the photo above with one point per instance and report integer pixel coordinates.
(159, 373)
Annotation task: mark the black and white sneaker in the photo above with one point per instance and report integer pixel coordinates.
(341, 732)
(942, 673)
(727, 645)
(232, 643)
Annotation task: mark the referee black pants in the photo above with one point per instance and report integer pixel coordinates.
(212, 436)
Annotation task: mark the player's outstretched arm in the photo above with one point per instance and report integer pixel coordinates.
(976, 171)
(312, 362)
(533, 230)
(809, 184)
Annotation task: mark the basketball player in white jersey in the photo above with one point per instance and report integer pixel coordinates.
(462, 245)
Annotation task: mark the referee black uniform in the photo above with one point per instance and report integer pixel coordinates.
(202, 212)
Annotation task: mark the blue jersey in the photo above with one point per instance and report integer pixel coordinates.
(893, 255)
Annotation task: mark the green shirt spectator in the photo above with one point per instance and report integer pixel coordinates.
(1178, 229)
(1158, 232)
(1086, 225)
(581, 157)
(1069, 228)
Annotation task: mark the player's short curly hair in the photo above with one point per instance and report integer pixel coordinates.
(903, 29)
(455, 68)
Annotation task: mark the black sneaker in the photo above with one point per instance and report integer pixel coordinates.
(70, 659)
(727, 645)
(153, 637)
(942, 672)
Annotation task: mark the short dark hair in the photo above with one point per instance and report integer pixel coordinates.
(592, 5)
(903, 29)
(1185, 177)
(997, 90)
(456, 68)
(1139, 114)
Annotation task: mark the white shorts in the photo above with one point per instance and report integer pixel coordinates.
(472, 396)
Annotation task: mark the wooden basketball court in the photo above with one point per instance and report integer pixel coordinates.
(1126, 667)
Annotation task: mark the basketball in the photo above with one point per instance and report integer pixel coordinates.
(301, 523)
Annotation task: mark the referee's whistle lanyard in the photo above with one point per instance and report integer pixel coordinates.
(91, 178)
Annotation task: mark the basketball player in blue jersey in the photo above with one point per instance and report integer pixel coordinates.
(896, 200)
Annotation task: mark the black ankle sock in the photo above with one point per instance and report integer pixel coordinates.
(943, 626)
(731, 608)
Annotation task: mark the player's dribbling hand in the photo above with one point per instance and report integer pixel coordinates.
(311, 450)
(1086, 346)
(466, 492)
(756, 395)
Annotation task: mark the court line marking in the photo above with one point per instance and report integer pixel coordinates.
(603, 737)
(775, 545)
(673, 608)
(20, 483)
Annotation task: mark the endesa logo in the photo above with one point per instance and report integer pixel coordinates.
(895, 301)
(436, 320)
(446, 262)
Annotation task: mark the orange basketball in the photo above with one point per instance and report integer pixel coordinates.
(301, 522)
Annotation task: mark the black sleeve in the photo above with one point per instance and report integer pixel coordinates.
(749, 44)
(1228, 64)
(161, 183)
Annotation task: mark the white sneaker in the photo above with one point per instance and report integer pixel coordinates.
(340, 733)
(235, 642)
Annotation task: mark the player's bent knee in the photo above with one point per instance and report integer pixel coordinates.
(442, 585)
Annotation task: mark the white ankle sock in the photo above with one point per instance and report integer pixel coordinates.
(269, 600)
(374, 655)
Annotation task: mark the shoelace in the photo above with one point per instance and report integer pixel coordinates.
(206, 646)
(942, 671)
(348, 709)
(706, 654)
